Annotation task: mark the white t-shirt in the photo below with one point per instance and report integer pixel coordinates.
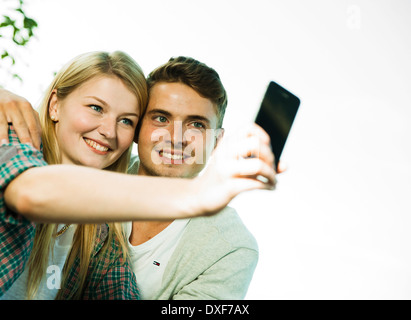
(51, 282)
(150, 258)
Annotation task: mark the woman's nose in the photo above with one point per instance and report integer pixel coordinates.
(108, 128)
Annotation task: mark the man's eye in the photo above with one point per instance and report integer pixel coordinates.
(160, 119)
(96, 108)
(198, 125)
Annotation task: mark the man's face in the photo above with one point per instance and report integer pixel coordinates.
(178, 132)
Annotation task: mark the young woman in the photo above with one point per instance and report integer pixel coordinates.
(89, 116)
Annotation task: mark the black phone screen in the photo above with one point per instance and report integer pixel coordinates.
(276, 116)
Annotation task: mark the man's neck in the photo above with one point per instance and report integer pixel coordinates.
(143, 231)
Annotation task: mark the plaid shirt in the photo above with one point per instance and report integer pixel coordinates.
(16, 232)
(109, 276)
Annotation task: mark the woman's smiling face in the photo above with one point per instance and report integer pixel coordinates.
(96, 123)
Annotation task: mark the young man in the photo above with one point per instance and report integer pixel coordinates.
(201, 258)
(206, 258)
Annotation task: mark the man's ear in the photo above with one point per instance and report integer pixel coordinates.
(218, 135)
(53, 106)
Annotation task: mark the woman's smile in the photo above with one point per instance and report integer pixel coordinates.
(97, 147)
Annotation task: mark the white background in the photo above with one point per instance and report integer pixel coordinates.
(338, 225)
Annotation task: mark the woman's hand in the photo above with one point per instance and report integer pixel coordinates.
(235, 166)
(19, 112)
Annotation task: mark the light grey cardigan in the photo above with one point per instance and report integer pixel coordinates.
(215, 259)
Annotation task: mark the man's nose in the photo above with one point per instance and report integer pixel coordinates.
(177, 134)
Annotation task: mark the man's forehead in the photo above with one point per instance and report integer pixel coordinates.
(180, 101)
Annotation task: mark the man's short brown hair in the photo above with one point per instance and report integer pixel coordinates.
(198, 76)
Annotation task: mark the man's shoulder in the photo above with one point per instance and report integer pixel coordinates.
(221, 250)
(226, 226)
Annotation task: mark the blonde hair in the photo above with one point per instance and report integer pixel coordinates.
(79, 70)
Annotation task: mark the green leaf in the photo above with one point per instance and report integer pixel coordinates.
(7, 22)
(20, 42)
(29, 23)
(22, 31)
(15, 75)
(5, 54)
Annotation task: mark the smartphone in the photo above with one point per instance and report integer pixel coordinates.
(276, 116)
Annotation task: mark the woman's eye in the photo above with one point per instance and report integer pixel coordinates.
(127, 122)
(96, 108)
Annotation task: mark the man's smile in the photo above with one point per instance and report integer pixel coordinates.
(173, 155)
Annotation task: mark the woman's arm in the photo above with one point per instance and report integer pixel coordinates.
(73, 194)
(76, 194)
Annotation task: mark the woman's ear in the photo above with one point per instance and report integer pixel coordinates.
(53, 106)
